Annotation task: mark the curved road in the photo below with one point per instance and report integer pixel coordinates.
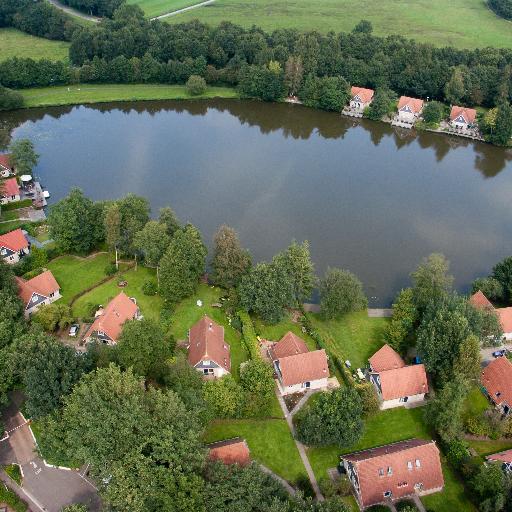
(74, 12)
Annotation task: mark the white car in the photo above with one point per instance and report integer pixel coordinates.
(73, 331)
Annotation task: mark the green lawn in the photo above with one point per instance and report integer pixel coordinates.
(75, 275)
(97, 93)
(5, 227)
(154, 8)
(475, 404)
(270, 443)
(187, 313)
(14, 43)
(355, 337)
(383, 428)
(484, 448)
(150, 306)
(431, 21)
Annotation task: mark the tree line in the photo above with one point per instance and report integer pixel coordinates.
(502, 8)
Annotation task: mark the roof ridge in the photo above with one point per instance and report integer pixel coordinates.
(423, 443)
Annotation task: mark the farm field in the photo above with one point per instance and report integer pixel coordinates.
(430, 21)
(14, 43)
(154, 8)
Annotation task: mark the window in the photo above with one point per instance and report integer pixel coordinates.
(418, 463)
(418, 486)
(402, 484)
(206, 362)
(390, 470)
(381, 472)
(307, 384)
(409, 465)
(3, 251)
(52, 294)
(388, 494)
(34, 298)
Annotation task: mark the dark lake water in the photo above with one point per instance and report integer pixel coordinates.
(369, 198)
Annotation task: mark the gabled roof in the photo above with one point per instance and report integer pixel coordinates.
(206, 342)
(479, 301)
(5, 162)
(303, 367)
(397, 467)
(386, 359)
(289, 345)
(365, 95)
(43, 284)
(415, 104)
(497, 380)
(9, 187)
(505, 456)
(402, 382)
(231, 451)
(505, 316)
(118, 311)
(14, 240)
(469, 114)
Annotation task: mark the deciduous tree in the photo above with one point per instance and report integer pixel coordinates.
(152, 241)
(168, 218)
(400, 331)
(23, 156)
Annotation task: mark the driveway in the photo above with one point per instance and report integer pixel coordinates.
(49, 489)
(486, 353)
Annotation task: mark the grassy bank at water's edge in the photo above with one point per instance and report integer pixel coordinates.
(103, 93)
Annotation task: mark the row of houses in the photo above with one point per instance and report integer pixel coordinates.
(409, 110)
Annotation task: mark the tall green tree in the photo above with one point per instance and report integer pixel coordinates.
(182, 265)
(399, 333)
(502, 272)
(152, 241)
(489, 286)
(381, 104)
(340, 292)
(75, 223)
(468, 362)
(224, 396)
(112, 226)
(169, 219)
(230, 261)
(293, 75)
(23, 156)
(134, 211)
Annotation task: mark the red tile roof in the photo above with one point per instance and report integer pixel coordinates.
(497, 380)
(206, 342)
(397, 468)
(365, 95)
(469, 114)
(118, 311)
(479, 301)
(9, 187)
(402, 382)
(304, 367)
(43, 284)
(14, 240)
(505, 316)
(416, 105)
(4, 161)
(505, 456)
(231, 451)
(289, 345)
(386, 359)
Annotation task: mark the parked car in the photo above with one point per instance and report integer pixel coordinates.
(500, 353)
(73, 331)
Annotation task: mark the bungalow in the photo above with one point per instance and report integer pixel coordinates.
(505, 458)
(409, 109)
(397, 384)
(6, 169)
(230, 451)
(13, 246)
(109, 321)
(496, 381)
(462, 118)
(42, 289)
(394, 471)
(361, 98)
(479, 301)
(296, 368)
(208, 353)
(9, 191)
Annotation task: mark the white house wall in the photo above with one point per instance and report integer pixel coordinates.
(297, 388)
(390, 404)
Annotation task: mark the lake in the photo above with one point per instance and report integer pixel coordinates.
(370, 198)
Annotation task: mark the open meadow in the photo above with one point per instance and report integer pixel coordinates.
(14, 43)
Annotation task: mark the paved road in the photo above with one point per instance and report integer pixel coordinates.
(185, 9)
(74, 12)
(48, 488)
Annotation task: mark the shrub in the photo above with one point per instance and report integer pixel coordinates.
(249, 335)
(33, 273)
(12, 499)
(149, 288)
(458, 453)
(478, 427)
(406, 506)
(433, 113)
(14, 472)
(196, 85)
(369, 398)
(110, 269)
(304, 485)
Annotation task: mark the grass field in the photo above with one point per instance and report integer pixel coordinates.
(14, 43)
(154, 8)
(75, 95)
(432, 21)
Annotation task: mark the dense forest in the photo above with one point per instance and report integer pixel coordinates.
(502, 8)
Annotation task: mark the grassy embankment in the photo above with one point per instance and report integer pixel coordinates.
(430, 21)
(153, 8)
(14, 43)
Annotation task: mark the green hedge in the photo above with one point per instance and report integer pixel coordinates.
(14, 472)
(17, 204)
(12, 499)
(249, 335)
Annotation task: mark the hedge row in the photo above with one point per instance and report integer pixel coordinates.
(249, 335)
(16, 205)
(9, 497)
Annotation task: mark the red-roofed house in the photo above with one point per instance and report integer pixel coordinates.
(208, 353)
(361, 98)
(298, 369)
(497, 383)
(479, 301)
(13, 246)
(409, 109)
(9, 191)
(40, 290)
(394, 471)
(397, 384)
(505, 458)
(109, 321)
(6, 169)
(231, 451)
(462, 118)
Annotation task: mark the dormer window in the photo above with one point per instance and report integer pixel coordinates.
(390, 470)
(409, 465)
(34, 298)
(418, 463)
(3, 251)
(498, 393)
(381, 472)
